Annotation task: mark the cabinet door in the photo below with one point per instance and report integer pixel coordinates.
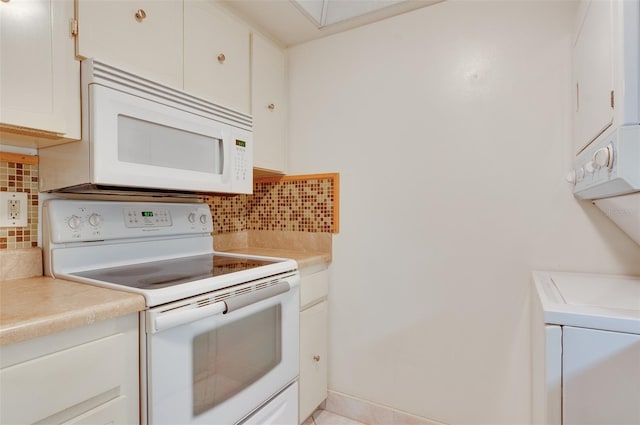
(600, 377)
(39, 76)
(216, 55)
(313, 358)
(593, 73)
(140, 36)
(268, 104)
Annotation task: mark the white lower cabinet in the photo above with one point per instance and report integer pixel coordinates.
(83, 375)
(313, 342)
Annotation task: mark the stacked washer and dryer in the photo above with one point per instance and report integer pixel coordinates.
(586, 327)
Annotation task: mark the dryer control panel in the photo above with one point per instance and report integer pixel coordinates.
(610, 167)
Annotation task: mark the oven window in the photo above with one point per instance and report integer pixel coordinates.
(232, 357)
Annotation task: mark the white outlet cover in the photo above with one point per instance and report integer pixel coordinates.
(21, 221)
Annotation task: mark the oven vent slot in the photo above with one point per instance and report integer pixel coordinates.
(233, 292)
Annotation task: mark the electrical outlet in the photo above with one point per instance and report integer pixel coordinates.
(13, 209)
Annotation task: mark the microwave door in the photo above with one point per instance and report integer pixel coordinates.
(140, 143)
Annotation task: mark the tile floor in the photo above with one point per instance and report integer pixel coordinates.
(324, 417)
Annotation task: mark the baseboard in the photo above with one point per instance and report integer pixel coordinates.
(371, 413)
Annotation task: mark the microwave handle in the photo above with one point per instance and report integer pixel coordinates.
(163, 321)
(227, 149)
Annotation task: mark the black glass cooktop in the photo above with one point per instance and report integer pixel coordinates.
(165, 273)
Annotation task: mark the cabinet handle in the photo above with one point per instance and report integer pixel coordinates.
(271, 106)
(140, 15)
(316, 358)
(221, 58)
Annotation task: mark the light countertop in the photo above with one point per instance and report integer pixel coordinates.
(304, 259)
(39, 306)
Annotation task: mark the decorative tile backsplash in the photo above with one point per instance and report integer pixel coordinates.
(306, 203)
(229, 212)
(19, 173)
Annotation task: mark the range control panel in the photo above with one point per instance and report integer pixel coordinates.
(69, 220)
(147, 217)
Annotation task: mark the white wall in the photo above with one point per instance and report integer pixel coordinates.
(450, 128)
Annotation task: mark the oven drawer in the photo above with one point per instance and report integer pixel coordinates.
(282, 409)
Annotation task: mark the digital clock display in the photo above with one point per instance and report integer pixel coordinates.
(147, 213)
(241, 143)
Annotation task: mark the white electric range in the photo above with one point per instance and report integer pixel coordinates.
(219, 336)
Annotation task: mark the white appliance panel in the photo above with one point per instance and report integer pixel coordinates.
(585, 340)
(601, 377)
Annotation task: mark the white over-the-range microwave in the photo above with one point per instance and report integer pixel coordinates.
(141, 137)
(607, 121)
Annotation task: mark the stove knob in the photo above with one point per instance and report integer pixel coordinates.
(602, 157)
(74, 222)
(203, 219)
(95, 220)
(571, 177)
(192, 217)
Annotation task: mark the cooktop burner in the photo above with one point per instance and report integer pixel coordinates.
(165, 273)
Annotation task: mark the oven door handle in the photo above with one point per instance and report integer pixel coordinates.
(239, 301)
(162, 321)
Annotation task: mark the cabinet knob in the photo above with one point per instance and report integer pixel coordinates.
(221, 58)
(271, 106)
(140, 15)
(316, 358)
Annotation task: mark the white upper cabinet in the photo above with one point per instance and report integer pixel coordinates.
(141, 36)
(39, 76)
(268, 105)
(606, 66)
(216, 55)
(593, 72)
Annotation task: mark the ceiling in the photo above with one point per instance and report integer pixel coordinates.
(290, 22)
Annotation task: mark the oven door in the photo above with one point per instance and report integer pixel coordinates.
(215, 362)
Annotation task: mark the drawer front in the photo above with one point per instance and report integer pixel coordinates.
(313, 288)
(82, 375)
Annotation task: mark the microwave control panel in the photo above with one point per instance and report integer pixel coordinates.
(241, 161)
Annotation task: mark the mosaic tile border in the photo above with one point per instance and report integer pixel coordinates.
(303, 203)
(19, 173)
